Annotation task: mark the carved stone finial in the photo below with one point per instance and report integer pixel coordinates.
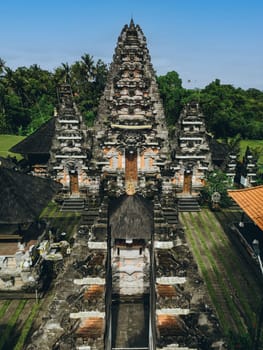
(132, 23)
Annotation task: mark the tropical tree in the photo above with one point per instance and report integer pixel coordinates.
(216, 182)
(62, 74)
(231, 111)
(172, 93)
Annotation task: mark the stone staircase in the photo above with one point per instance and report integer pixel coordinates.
(89, 216)
(95, 216)
(73, 204)
(170, 215)
(188, 204)
(176, 347)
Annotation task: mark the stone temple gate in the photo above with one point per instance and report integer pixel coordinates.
(131, 281)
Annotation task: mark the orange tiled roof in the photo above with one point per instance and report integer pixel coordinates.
(170, 325)
(94, 291)
(251, 201)
(166, 290)
(92, 327)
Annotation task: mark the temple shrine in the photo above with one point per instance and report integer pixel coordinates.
(132, 281)
(192, 154)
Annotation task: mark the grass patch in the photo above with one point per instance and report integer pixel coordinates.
(228, 268)
(61, 221)
(26, 328)
(4, 308)
(50, 211)
(208, 277)
(8, 141)
(225, 291)
(205, 275)
(6, 337)
(253, 144)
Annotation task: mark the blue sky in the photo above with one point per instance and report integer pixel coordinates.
(202, 40)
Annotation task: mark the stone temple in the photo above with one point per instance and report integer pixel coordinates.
(130, 282)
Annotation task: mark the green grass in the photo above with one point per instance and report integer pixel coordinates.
(62, 221)
(50, 211)
(226, 265)
(252, 145)
(203, 219)
(26, 328)
(217, 273)
(4, 308)
(204, 227)
(6, 336)
(205, 275)
(6, 142)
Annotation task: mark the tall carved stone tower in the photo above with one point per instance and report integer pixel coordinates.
(131, 146)
(70, 149)
(131, 283)
(193, 157)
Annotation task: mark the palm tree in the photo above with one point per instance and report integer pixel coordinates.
(62, 74)
(90, 68)
(2, 66)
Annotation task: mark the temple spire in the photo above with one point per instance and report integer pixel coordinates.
(132, 25)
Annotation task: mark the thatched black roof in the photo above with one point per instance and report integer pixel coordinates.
(22, 196)
(131, 217)
(39, 142)
(219, 150)
(8, 162)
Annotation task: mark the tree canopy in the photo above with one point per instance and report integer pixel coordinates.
(28, 97)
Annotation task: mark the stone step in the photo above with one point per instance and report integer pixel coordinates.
(188, 204)
(73, 204)
(176, 347)
(89, 216)
(170, 215)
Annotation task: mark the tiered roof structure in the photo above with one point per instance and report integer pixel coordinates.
(70, 150)
(130, 250)
(132, 139)
(192, 154)
(248, 169)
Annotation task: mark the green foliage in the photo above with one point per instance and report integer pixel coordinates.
(89, 118)
(256, 148)
(28, 95)
(230, 111)
(239, 341)
(4, 125)
(171, 92)
(39, 114)
(216, 181)
(22, 92)
(87, 80)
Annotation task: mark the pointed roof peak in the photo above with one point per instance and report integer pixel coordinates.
(132, 25)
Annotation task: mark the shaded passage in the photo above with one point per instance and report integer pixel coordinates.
(130, 323)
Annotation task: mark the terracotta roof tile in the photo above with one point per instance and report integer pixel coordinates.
(91, 327)
(251, 201)
(170, 325)
(166, 291)
(94, 291)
